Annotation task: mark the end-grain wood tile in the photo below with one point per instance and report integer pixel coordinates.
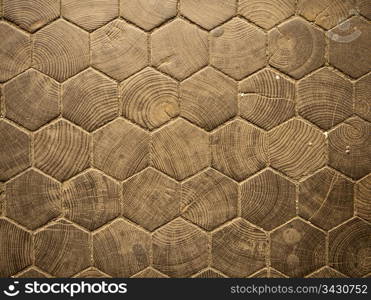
(31, 15)
(32, 273)
(349, 248)
(151, 199)
(57, 247)
(121, 249)
(148, 14)
(326, 199)
(297, 249)
(239, 150)
(14, 151)
(91, 200)
(15, 249)
(265, 13)
(267, 99)
(208, 14)
(32, 199)
(91, 273)
(180, 249)
(180, 150)
(62, 150)
(296, 48)
(149, 98)
(349, 148)
(297, 149)
(268, 200)
(326, 272)
(90, 14)
(121, 149)
(150, 273)
(61, 50)
(208, 99)
(239, 244)
(15, 53)
(363, 198)
(119, 49)
(232, 52)
(90, 100)
(31, 99)
(362, 105)
(179, 49)
(349, 47)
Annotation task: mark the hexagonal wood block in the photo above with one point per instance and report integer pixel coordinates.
(326, 13)
(209, 199)
(57, 247)
(119, 49)
(15, 249)
(297, 149)
(267, 99)
(61, 50)
(91, 199)
(91, 273)
(179, 249)
(349, 148)
(148, 14)
(90, 14)
(363, 198)
(296, 48)
(150, 273)
(90, 100)
(267, 14)
(208, 99)
(349, 248)
(325, 98)
(151, 199)
(32, 273)
(31, 99)
(179, 49)
(268, 200)
(232, 52)
(180, 150)
(239, 244)
(326, 199)
(62, 150)
(32, 199)
(31, 15)
(121, 149)
(239, 150)
(362, 105)
(209, 273)
(326, 272)
(349, 48)
(121, 249)
(14, 151)
(208, 14)
(149, 98)
(297, 249)
(15, 54)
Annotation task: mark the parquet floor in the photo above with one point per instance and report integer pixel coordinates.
(190, 138)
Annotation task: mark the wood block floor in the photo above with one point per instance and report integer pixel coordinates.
(190, 138)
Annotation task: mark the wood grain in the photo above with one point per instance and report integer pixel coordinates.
(90, 100)
(180, 150)
(179, 49)
(33, 199)
(91, 200)
(119, 49)
(362, 105)
(326, 272)
(149, 98)
(121, 250)
(239, 150)
(239, 244)
(232, 52)
(32, 273)
(267, 99)
(268, 273)
(121, 149)
(363, 198)
(151, 199)
(31, 99)
(91, 273)
(179, 249)
(61, 150)
(268, 200)
(296, 48)
(149, 273)
(208, 99)
(209, 274)
(297, 249)
(364, 8)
